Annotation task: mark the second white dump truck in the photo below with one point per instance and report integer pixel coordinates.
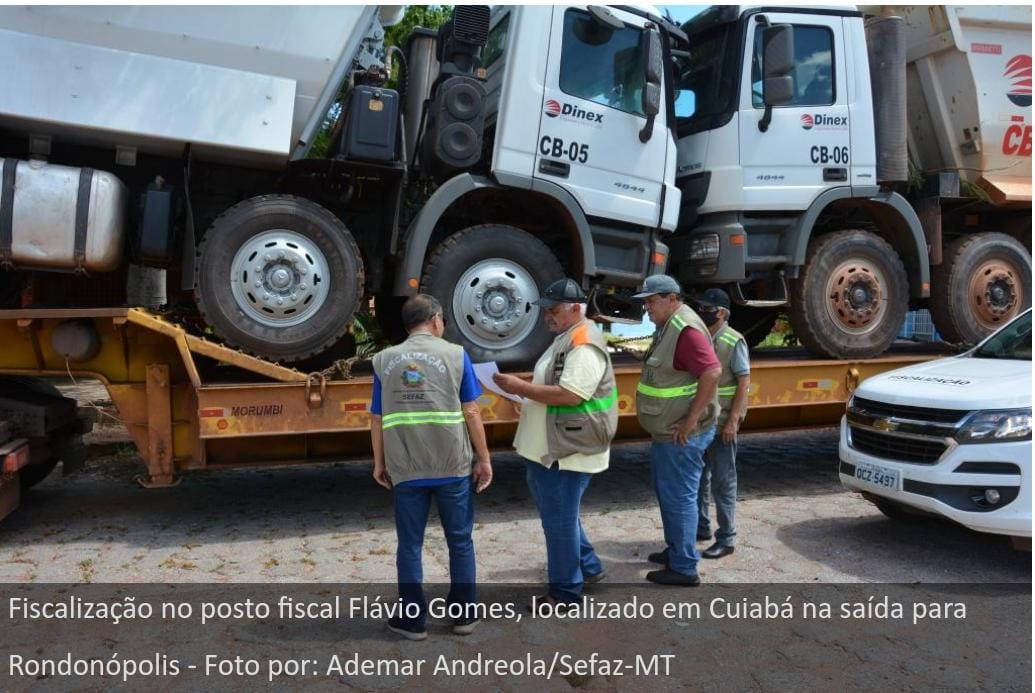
(846, 165)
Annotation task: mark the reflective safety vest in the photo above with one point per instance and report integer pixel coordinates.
(425, 434)
(589, 426)
(664, 395)
(725, 341)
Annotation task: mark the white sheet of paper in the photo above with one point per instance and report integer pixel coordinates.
(484, 372)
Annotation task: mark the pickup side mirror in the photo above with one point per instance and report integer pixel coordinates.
(777, 66)
(653, 74)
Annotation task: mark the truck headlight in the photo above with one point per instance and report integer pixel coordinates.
(996, 426)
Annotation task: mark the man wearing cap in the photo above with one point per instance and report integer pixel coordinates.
(720, 460)
(676, 404)
(564, 434)
(424, 419)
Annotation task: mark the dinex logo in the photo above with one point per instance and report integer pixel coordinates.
(567, 110)
(837, 121)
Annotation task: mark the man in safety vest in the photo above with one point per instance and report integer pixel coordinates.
(564, 434)
(676, 404)
(424, 420)
(720, 460)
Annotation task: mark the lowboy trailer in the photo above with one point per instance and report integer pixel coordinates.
(191, 404)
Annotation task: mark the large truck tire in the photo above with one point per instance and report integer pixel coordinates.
(851, 297)
(488, 278)
(280, 277)
(984, 281)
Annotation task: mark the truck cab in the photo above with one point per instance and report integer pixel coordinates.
(822, 175)
(579, 150)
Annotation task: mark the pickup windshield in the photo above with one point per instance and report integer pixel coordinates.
(1011, 342)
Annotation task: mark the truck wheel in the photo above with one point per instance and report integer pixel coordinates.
(983, 282)
(65, 438)
(487, 278)
(850, 298)
(279, 276)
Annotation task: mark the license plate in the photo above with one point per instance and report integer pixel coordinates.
(878, 476)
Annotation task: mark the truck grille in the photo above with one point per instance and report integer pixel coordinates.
(897, 448)
(899, 411)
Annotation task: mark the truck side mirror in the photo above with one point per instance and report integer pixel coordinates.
(777, 66)
(653, 71)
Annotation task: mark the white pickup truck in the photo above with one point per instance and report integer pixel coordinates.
(950, 437)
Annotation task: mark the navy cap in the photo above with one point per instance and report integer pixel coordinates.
(713, 298)
(659, 284)
(561, 291)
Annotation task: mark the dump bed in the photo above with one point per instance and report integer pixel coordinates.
(969, 93)
(241, 83)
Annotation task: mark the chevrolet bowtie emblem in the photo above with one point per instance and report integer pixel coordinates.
(885, 425)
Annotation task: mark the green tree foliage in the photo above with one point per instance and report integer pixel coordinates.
(427, 16)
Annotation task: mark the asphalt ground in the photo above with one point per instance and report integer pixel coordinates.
(332, 523)
(327, 529)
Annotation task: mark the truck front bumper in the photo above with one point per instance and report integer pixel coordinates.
(954, 486)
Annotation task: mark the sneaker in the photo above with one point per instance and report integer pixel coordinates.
(594, 578)
(660, 557)
(409, 632)
(667, 576)
(464, 626)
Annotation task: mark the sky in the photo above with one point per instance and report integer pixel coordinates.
(682, 13)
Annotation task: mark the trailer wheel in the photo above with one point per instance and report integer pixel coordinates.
(279, 276)
(488, 278)
(850, 298)
(66, 438)
(983, 282)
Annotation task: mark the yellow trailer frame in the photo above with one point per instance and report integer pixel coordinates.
(180, 421)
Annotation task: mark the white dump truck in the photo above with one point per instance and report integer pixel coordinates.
(794, 126)
(523, 144)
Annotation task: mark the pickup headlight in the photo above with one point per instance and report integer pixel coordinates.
(996, 426)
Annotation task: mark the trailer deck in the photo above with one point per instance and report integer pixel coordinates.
(190, 403)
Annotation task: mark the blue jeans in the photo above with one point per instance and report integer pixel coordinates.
(456, 510)
(569, 555)
(675, 471)
(720, 478)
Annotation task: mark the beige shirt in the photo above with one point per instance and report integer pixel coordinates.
(583, 369)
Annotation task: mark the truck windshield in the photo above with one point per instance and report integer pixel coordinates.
(1012, 342)
(601, 64)
(708, 80)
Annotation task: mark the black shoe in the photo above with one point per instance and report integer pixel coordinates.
(704, 534)
(717, 551)
(661, 557)
(409, 632)
(594, 578)
(464, 626)
(667, 576)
